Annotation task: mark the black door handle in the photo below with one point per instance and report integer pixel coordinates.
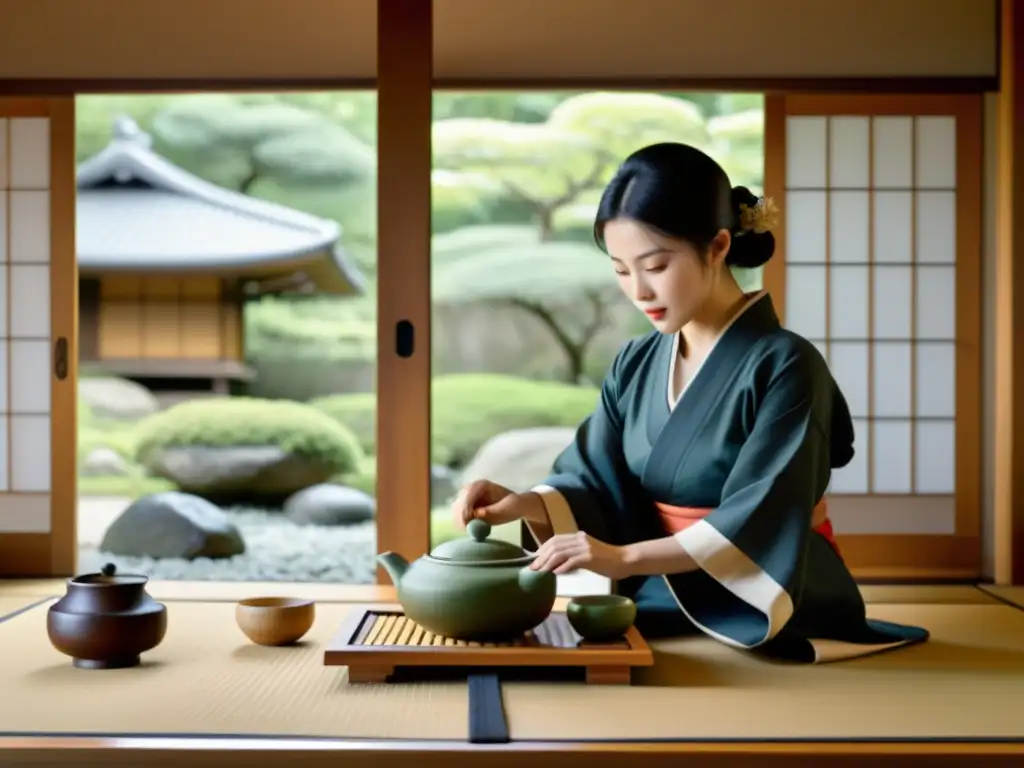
(405, 338)
(60, 359)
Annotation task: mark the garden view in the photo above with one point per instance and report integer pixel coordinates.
(527, 317)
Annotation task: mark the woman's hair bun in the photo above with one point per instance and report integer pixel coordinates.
(683, 193)
(753, 243)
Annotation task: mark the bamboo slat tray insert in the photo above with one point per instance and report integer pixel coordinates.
(375, 640)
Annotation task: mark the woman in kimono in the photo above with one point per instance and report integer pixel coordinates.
(698, 482)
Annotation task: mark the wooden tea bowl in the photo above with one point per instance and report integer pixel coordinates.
(275, 620)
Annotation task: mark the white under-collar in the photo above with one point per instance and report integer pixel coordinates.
(674, 401)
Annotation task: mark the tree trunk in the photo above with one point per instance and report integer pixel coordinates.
(546, 222)
(575, 349)
(246, 184)
(576, 354)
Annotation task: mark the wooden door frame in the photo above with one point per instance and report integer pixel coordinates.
(403, 525)
(404, 85)
(1008, 453)
(55, 553)
(888, 556)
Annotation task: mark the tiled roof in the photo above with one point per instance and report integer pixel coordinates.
(136, 209)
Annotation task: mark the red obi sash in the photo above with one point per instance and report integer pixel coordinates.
(676, 519)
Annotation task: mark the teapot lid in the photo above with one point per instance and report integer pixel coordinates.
(478, 548)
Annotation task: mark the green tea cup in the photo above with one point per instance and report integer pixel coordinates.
(601, 617)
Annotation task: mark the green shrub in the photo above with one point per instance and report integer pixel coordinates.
(132, 486)
(321, 329)
(469, 409)
(85, 414)
(97, 431)
(363, 478)
(357, 412)
(121, 441)
(295, 428)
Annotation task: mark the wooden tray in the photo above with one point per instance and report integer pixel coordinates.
(375, 640)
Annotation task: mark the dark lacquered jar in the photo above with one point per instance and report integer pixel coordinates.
(106, 620)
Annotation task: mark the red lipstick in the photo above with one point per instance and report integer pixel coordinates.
(655, 314)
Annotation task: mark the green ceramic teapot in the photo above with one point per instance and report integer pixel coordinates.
(474, 588)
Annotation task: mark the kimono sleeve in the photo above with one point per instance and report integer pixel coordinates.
(590, 484)
(751, 549)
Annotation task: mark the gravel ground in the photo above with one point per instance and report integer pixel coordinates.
(276, 550)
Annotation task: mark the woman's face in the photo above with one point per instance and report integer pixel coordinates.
(665, 278)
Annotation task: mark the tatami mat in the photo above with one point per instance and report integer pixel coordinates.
(1013, 595)
(966, 683)
(207, 678)
(12, 603)
(925, 593)
(30, 587)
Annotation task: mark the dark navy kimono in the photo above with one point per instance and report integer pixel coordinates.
(754, 437)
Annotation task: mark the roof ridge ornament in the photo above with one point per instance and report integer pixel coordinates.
(126, 129)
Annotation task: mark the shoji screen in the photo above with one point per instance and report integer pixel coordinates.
(881, 269)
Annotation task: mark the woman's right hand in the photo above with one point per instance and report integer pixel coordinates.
(496, 504)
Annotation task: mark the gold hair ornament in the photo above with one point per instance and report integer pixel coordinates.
(761, 217)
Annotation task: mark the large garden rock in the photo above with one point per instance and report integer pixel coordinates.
(519, 458)
(330, 504)
(250, 470)
(173, 525)
(245, 450)
(117, 399)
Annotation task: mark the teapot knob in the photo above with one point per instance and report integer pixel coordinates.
(479, 529)
(109, 569)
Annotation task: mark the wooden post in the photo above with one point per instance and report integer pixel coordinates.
(1009, 410)
(404, 92)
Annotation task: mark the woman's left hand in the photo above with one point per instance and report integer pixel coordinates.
(570, 551)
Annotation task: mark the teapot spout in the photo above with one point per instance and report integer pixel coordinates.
(394, 564)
